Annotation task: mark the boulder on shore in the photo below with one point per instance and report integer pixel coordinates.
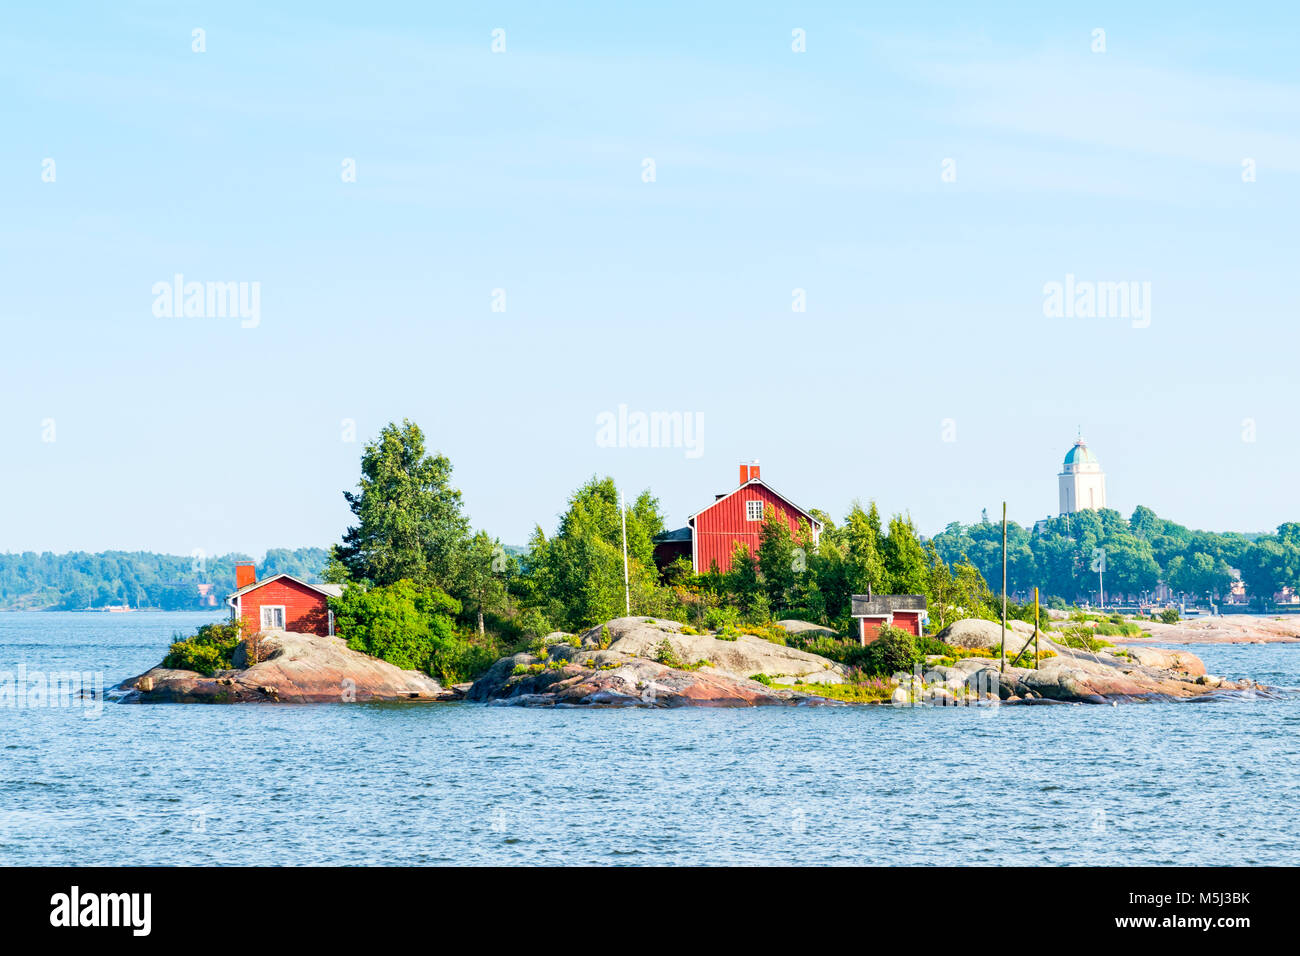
(294, 668)
(976, 634)
(805, 628)
(743, 657)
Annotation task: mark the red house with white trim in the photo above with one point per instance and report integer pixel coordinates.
(281, 602)
(906, 612)
(712, 533)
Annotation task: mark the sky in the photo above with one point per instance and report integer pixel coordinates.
(824, 234)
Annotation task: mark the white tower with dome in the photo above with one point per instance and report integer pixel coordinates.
(1083, 484)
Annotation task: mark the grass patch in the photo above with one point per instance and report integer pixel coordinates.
(868, 691)
(1081, 639)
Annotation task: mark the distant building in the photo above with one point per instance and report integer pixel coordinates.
(1082, 482)
(735, 517)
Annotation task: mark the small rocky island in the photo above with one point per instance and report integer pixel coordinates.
(652, 662)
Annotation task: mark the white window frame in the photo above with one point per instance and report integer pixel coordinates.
(749, 509)
(284, 617)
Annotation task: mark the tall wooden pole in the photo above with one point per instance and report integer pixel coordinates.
(1003, 665)
(627, 591)
(1035, 628)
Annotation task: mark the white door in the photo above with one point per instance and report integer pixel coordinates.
(272, 616)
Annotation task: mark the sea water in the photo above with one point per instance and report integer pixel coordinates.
(1157, 783)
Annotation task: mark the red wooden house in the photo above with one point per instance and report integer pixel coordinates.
(281, 602)
(711, 534)
(904, 611)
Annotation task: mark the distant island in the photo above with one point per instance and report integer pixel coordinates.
(138, 580)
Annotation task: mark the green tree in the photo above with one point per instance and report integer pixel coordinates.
(744, 586)
(575, 578)
(483, 576)
(906, 568)
(776, 559)
(864, 560)
(409, 519)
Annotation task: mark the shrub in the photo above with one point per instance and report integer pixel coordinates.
(762, 679)
(721, 618)
(664, 654)
(893, 650)
(413, 627)
(207, 651)
(1080, 639)
(606, 638)
(927, 646)
(1170, 615)
(463, 658)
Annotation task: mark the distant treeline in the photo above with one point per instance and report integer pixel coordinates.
(1062, 556)
(139, 579)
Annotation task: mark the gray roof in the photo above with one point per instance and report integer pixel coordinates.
(333, 590)
(680, 534)
(885, 603)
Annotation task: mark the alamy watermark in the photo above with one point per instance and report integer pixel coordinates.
(26, 689)
(1085, 299)
(624, 429)
(208, 300)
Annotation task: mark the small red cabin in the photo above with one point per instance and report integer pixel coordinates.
(906, 612)
(281, 602)
(711, 535)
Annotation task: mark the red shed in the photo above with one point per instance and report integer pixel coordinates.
(281, 602)
(736, 516)
(904, 611)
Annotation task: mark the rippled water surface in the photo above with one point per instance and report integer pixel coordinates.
(461, 783)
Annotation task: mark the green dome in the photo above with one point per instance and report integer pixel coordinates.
(1079, 455)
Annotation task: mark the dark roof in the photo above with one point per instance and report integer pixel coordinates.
(332, 590)
(681, 534)
(884, 603)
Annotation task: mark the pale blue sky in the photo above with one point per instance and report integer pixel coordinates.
(522, 170)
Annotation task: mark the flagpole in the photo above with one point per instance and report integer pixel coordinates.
(627, 591)
(1003, 665)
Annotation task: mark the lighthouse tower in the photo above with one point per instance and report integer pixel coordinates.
(1082, 482)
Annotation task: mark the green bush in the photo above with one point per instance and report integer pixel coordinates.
(412, 627)
(927, 646)
(1170, 615)
(762, 679)
(207, 652)
(722, 618)
(1080, 638)
(664, 654)
(892, 651)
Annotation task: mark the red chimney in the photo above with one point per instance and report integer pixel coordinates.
(245, 575)
(748, 470)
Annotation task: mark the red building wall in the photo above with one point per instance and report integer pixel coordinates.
(720, 526)
(909, 621)
(305, 610)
